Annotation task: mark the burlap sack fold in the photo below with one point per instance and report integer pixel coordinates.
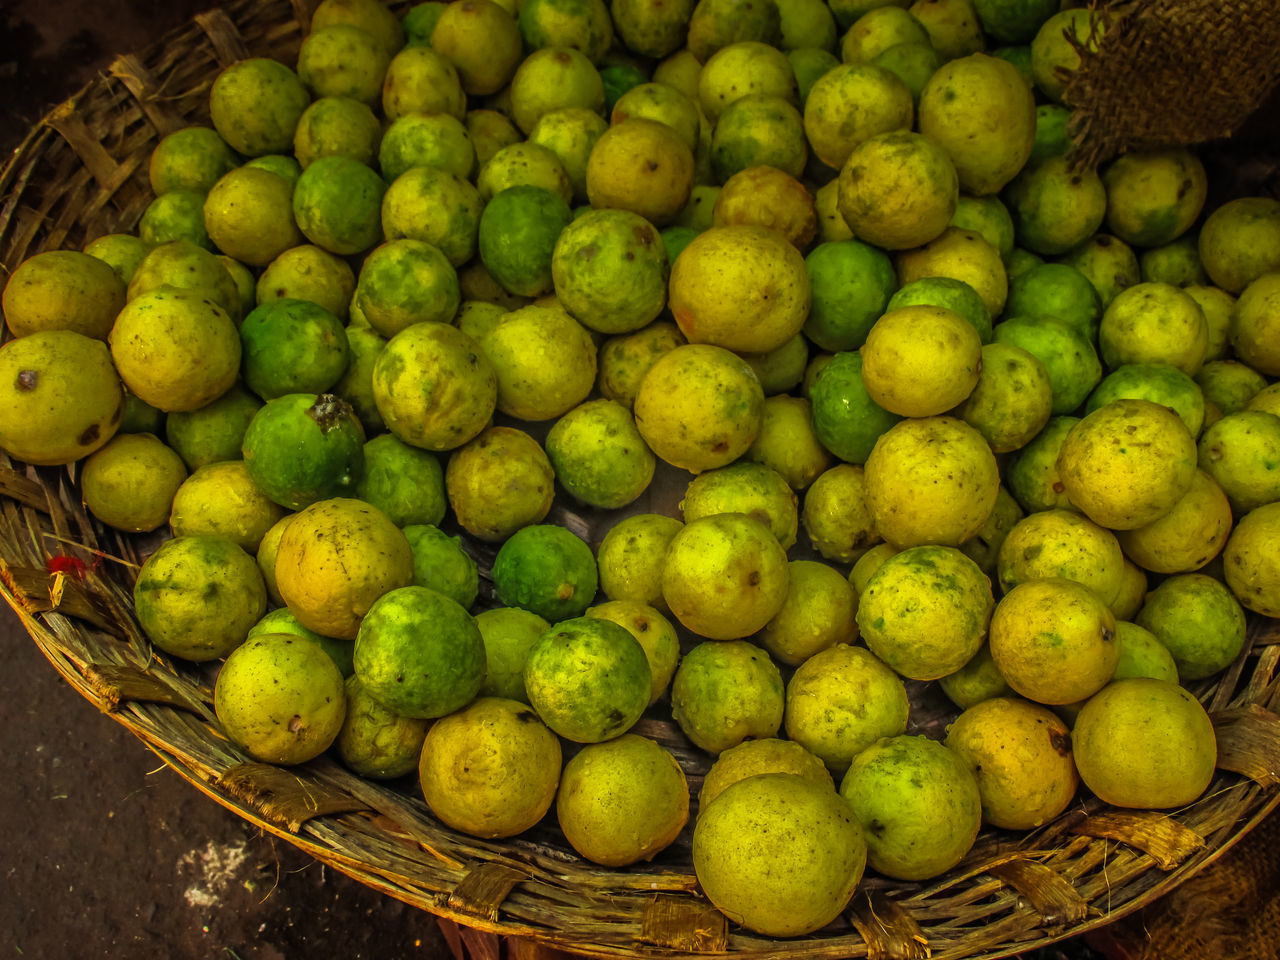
(1229, 911)
(1167, 73)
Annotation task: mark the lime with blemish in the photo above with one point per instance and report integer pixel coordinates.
(725, 576)
(588, 679)
(699, 406)
(60, 397)
(546, 569)
(281, 698)
(599, 455)
(725, 692)
(303, 447)
(434, 386)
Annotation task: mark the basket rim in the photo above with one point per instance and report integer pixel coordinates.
(80, 650)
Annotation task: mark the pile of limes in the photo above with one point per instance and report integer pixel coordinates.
(942, 407)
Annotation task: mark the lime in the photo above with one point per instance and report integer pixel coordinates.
(419, 653)
(624, 800)
(281, 698)
(292, 346)
(301, 448)
(725, 692)
(588, 679)
(547, 570)
(197, 597)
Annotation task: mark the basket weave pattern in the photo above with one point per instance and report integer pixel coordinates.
(82, 173)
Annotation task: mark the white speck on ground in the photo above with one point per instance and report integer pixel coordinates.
(215, 870)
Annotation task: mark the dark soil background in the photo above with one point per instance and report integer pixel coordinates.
(107, 854)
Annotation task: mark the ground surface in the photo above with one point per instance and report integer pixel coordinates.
(109, 855)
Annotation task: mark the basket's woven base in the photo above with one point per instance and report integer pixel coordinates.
(1172, 72)
(1231, 909)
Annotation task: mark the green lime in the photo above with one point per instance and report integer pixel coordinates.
(1227, 384)
(356, 385)
(1014, 21)
(255, 105)
(725, 691)
(1108, 262)
(583, 26)
(403, 282)
(810, 63)
(759, 129)
(122, 252)
(610, 271)
(546, 569)
(440, 562)
(337, 126)
(306, 272)
(518, 232)
(337, 203)
(197, 597)
(989, 218)
(588, 679)
(1177, 263)
(213, 432)
(618, 79)
(599, 456)
(176, 215)
(404, 482)
(193, 158)
(292, 346)
(852, 283)
(434, 205)
(1198, 621)
(1141, 654)
(426, 140)
(912, 62)
(508, 633)
(419, 653)
(1032, 474)
(376, 742)
(301, 448)
(343, 60)
(1052, 137)
(499, 482)
(845, 418)
(1056, 290)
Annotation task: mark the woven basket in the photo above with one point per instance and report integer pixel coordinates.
(83, 173)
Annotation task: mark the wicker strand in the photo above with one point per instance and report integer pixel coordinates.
(1167, 841)
(228, 44)
(129, 70)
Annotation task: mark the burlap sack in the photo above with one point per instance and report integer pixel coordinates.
(1171, 73)
(1228, 911)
